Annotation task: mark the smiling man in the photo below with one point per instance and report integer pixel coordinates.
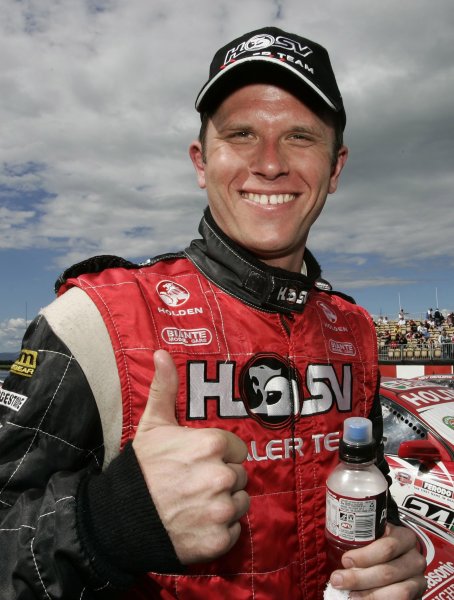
(267, 164)
(175, 436)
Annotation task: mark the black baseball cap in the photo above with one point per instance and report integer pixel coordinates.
(281, 57)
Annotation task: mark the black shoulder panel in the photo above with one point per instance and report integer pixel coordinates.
(342, 295)
(325, 286)
(96, 264)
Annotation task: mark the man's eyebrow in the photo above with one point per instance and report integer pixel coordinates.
(304, 129)
(226, 124)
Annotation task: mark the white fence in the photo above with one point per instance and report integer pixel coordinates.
(412, 352)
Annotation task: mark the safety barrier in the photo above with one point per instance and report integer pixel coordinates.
(410, 352)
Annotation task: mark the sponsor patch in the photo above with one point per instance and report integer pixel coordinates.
(26, 364)
(12, 400)
(171, 293)
(345, 348)
(187, 337)
(329, 312)
(291, 295)
(270, 389)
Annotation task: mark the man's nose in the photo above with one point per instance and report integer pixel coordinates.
(269, 160)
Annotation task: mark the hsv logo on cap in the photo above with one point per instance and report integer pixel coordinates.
(291, 56)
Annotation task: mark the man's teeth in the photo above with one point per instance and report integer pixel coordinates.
(272, 199)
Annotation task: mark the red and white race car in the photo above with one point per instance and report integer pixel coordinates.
(440, 378)
(418, 421)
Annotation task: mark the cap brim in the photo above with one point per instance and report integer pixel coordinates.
(212, 87)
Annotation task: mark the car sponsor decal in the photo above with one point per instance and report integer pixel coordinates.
(430, 510)
(435, 490)
(399, 384)
(422, 399)
(438, 580)
(449, 422)
(435, 415)
(12, 400)
(26, 364)
(403, 477)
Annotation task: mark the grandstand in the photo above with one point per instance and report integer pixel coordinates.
(414, 350)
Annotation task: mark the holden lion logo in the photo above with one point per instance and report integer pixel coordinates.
(329, 312)
(269, 388)
(172, 293)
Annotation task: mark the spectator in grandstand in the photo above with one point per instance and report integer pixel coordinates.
(450, 319)
(423, 329)
(385, 320)
(445, 344)
(438, 318)
(418, 337)
(386, 338)
(413, 326)
(401, 321)
(430, 318)
(401, 339)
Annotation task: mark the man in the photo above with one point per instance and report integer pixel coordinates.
(253, 363)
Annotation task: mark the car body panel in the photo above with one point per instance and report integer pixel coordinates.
(418, 417)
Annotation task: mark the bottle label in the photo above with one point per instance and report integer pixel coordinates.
(355, 520)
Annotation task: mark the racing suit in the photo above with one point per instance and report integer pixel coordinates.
(275, 357)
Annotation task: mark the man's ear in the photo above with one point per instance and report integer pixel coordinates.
(196, 154)
(342, 156)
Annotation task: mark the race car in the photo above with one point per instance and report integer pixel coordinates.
(418, 427)
(441, 379)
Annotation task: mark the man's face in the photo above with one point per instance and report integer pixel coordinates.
(268, 169)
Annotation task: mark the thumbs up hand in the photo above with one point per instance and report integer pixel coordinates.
(194, 476)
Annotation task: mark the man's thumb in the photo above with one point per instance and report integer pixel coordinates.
(160, 409)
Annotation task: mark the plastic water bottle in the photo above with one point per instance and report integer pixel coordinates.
(356, 494)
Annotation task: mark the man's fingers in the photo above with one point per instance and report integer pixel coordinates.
(160, 408)
(235, 450)
(390, 567)
(398, 574)
(241, 477)
(241, 503)
(382, 550)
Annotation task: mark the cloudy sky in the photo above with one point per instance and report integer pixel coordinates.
(96, 114)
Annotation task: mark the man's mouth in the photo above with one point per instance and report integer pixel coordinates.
(268, 198)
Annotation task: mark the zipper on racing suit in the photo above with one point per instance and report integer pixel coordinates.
(286, 321)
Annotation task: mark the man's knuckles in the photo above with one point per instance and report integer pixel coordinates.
(222, 479)
(217, 443)
(222, 511)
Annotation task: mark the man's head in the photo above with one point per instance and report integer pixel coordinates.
(270, 55)
(270, 147)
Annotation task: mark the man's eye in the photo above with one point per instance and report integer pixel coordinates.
(241, 135)
(300, 137)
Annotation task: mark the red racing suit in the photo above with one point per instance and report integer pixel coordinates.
(275, 357)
